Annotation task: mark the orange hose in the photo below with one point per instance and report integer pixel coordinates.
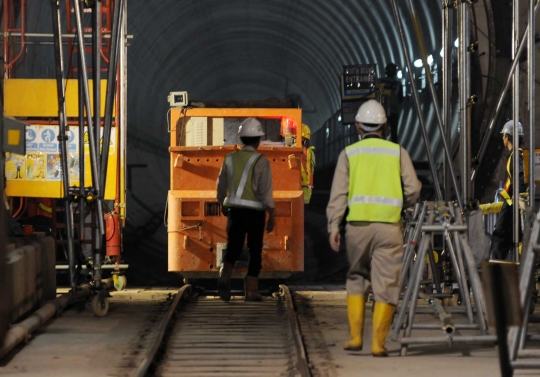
(20, 210)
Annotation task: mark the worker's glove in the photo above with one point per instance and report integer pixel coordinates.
(270, 223)
(225, 211)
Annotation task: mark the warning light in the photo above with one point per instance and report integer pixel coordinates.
(288, 131)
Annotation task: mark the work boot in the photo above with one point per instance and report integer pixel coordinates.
(382, 318)
(355, 310)
(224, 283)
(251, 284)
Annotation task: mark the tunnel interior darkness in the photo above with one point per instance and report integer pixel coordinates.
(243, 50)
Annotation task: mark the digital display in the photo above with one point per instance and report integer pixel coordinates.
(178, 98)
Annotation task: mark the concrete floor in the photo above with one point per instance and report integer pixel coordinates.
(323, 315)
(79, 344)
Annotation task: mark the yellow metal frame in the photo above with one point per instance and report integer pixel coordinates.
(37, 98)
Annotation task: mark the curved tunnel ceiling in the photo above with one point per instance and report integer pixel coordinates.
(243, 50)
(249, 50)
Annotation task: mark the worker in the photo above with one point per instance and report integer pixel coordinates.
(244, 188)
(393, 96)
(308, 164)
(503, 234)
(375, 179)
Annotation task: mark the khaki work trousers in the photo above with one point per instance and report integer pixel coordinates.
(375, 254)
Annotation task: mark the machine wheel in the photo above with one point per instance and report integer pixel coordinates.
(121, 283)
(403, 350)
(100, 306)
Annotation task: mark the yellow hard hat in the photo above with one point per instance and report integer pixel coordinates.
(306, 132)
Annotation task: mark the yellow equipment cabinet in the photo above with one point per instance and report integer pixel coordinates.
(39, 173)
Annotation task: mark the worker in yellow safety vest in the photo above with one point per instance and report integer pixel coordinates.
(375, 179)
(244, 188)
(308, 164)
(503, 234)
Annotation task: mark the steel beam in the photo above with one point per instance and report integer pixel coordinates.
(417, 105)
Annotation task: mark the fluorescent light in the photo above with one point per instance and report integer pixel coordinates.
(430, 59)
(442, 53)
(399, 74)
(418, 63)
(456, 42)
(339, 118)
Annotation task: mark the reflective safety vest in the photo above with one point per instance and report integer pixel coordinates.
(307, 168)
(506, 192)
(239, 166)
(375, 191)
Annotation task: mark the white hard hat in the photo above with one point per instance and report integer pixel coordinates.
(371, 113)
(508, 128)
(250, 127)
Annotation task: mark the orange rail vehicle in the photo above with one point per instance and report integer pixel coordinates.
(200, 140)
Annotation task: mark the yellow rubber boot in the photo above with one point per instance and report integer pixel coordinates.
(355, 310)
(382, 318)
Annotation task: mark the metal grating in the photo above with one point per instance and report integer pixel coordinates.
(212, 209)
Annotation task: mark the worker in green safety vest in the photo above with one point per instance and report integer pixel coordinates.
(375, 180)
(244, 187)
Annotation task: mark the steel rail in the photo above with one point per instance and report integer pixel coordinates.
(301, 355)
(151, 353)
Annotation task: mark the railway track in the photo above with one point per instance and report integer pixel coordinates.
(205, 336)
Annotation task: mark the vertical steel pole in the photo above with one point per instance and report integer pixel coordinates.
(82, 194)
(434, 98)
(464, 94)
(5, 285)
(123, 117)
(502, 97)
(531, 67)
(111, 87)
(94, 144)
(417, 105)
(447, 87)
(96, 69)
(515, 139)
(62, 138)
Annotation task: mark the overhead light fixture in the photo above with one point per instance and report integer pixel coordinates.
(430, 59)
(442, 53)
(456, 42)
(339, 118)
(418, 63)
(399, 74)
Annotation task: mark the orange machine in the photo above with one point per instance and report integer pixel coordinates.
(200, 140)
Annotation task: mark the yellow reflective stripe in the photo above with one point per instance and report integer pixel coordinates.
(243, 203)
(364, 199)
(506, 197)
(245, 174)
(230, 173)
(373, 150)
